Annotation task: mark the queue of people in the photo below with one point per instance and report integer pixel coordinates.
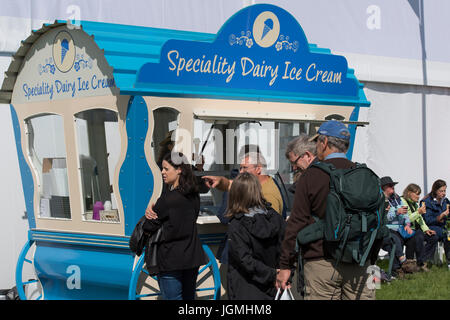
(261, 249)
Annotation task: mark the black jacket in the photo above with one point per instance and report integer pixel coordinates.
(180, 247)
(254, 250)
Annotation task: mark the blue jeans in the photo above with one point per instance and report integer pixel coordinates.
(178, 285)
(399, 243)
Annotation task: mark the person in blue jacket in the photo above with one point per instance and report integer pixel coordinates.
(437, 213)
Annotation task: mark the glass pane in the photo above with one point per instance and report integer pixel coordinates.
(47, 152)
(165, 123)
(98, 143)
(223, 141)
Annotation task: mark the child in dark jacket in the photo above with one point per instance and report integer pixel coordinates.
(255, 234)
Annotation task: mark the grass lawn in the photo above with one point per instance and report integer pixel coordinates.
(433, 285)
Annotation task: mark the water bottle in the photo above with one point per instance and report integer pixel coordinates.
(96, 212)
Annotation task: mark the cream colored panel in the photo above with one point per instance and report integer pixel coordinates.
(249, 109)
(63, 64)
(67, 109)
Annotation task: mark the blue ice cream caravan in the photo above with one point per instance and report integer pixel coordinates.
(95, 105)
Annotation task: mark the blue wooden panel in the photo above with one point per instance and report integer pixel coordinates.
(352, 128)
(136, 182)
(25, 172)
(68, 271)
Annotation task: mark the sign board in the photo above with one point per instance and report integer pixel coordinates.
(261, 48)
(63, 63)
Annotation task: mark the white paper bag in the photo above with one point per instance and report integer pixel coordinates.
(286, 295)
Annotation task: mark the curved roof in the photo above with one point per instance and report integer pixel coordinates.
(128, 48)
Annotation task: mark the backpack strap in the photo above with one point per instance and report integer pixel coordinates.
(327, 167)
(369, 247)
(345, 238)
(391, 259)
(332, 172)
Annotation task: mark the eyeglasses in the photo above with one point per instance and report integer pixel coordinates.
(294, 163)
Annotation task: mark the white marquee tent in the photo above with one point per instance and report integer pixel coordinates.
(399, 49)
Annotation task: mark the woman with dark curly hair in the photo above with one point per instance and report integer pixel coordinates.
(180, 252)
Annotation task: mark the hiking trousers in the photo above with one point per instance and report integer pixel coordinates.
(346, 282)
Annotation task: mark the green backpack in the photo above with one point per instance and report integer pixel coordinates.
(355, 215)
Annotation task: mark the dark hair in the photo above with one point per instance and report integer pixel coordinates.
(163, 152)
(245, 193)
(187, 183)
(436, 186)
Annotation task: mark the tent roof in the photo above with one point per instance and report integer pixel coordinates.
(128, 48)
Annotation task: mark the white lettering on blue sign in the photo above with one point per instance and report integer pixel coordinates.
(219, 65)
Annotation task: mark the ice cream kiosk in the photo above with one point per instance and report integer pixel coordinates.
(92, 104)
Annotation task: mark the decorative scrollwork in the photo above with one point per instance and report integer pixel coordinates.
(244, 39)
(82, 63)
(283, 43)
(48, 67)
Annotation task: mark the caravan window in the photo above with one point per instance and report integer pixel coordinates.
(47, 153)
(98, 145)
(165, 124)
(220, 142)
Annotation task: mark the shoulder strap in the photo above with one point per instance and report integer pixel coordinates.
(326, 167)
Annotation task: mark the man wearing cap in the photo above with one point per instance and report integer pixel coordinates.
(322, 280)
(397, 216)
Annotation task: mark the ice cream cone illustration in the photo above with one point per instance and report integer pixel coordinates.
(64, 49)
(268, 25)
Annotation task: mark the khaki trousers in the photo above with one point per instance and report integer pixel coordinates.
(347, 282)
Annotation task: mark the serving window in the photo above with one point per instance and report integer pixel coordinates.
(214, 132)
(222, 142)
(98, 147)
(47, 153)
(164, 132)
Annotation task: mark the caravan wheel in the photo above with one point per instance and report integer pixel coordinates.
(143, 286)
(30, 289)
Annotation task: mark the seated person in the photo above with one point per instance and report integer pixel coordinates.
(423, 233)
(252, 162)
(400, 231)
(436, 216)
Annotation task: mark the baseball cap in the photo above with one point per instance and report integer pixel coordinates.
(387, 180)
(332, 128)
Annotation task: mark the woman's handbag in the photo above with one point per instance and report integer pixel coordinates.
(152, 252)
(138, 238)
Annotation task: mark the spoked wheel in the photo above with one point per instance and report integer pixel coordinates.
(30, 289)
(143, 286)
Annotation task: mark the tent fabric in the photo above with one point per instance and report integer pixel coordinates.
(396, 48)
